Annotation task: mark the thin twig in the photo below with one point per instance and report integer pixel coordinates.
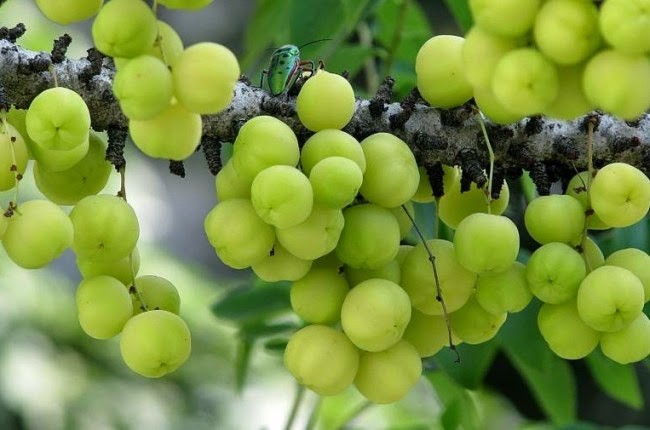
(439, 297)
(491, 154)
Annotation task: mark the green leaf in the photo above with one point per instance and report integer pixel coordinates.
(312, 20)
(634, 236)
(266, 29)
(247, 303)
(617, 380)
(255, 330)
(461, 13)
(425, 216)
(414, 30)
(475, 361)
(460, 410)
(550, 378)
(242, 363)
(276, 345)
(349, 58)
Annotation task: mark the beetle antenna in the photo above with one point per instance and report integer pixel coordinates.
(313, 41)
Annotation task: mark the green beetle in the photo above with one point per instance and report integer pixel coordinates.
(286, 67)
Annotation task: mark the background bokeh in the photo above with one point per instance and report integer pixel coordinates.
(53, 376)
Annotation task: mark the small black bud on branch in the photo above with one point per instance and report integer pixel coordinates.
(60, 48)
(116, 141)
(177, 168)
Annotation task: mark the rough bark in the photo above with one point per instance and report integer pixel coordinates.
(549, 149)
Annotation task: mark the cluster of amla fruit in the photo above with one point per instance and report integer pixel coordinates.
(559, 58)
(101, 229)
(589, 300)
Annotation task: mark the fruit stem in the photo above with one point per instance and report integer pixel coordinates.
(590, 173)
(439, 297)
(154, 7)
(491, 154)
(52, 70)
(13, 204)
(297, 400)
(122, 194)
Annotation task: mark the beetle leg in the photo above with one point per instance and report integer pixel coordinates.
(264, 72)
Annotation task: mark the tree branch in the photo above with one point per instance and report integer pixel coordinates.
(550, 149)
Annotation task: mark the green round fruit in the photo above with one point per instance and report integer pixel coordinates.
(240, 237)
(625, 24)
(58, 119)
(88, 177)
(637, 262)
(375, 313)
(391, 177)
(155, 343)
(387, 376)
(404, 221)
(427, 333)
(439, 72)
(454, 205)
(173, 134)
(577, 188)
(143, 87)
(230, 185)
(571, 101)
(316, 348)
(330, 143)
(391, 272)
(456, 282)
(202, 66)
(555, 218)
(281, 265)
(591, 254)
(335, 181)
(630, 344)
(618, 83)
(486, 243)
(566, 31)
(620, 194)
(325, 101)
(525, 82)
(473, 324)
(509, 18)
(124, 269)
(262, 142)
(370, 237)
(105, 228)
(168, 45)
(565, 332)
(103, 306)
(610, 298)
(282, 196)
(37, 233)
(156, 293)
(554, 272)
(315, 237)
(66, 12)
(318, 296)
(124, 28)
(493, 109)
(481, 53)
(504, 292)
